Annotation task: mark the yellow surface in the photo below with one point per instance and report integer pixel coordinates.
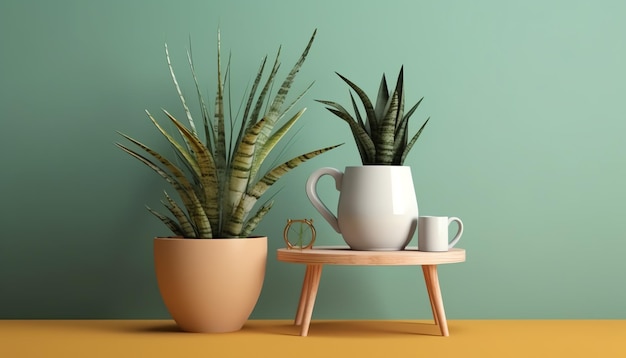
(387, 339)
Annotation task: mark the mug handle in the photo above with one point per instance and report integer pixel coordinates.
(311, 193)
(457, 237)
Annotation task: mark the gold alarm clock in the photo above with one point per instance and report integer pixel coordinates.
(299, 234)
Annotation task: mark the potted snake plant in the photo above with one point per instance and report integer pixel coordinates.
(377, 207)
(210, 273)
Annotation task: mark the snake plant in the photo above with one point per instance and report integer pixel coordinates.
(219, 175)
(382, 139)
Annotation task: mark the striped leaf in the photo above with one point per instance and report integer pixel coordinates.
(182, 219)
(169, 222)
(264, 151)
(383, 138)
(178, 177)
(204, 109)
(212, 175)
(252, 114)
(357, 115)
(180, 93)
(387, 131)
(274, 112)
(400, 91)
(413, 140)
(402, 133)
(372, 120)
(276, 173)
(189, 196)
(254, 221)
(241, 166)
(186, 154)
(219, 128)
(208, 172)
(382, 99)
(366, 146)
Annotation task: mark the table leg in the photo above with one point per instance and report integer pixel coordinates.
(313, 284)
(434, 292)
(303, 295)
(430, 295)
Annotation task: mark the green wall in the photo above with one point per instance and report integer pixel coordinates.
(525, 144)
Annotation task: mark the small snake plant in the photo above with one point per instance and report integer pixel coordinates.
(219, 179)
(382, 139)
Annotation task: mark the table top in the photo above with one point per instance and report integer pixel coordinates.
(343, 255)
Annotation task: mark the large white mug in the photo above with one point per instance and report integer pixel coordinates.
(377, 207)
(432, 233)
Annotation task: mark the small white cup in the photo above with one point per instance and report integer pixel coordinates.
(432, 233)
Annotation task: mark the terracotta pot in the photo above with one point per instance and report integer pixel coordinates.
(210, 285)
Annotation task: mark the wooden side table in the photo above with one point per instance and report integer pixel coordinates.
(317, 257)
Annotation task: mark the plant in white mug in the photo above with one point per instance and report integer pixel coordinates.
(377, 207)
(382, 138)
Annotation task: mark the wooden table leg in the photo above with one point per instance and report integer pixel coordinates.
(434, 292)
(303, 296)
(430, 295)
(312, 285)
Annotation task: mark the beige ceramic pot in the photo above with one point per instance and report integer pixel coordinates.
(210, 285)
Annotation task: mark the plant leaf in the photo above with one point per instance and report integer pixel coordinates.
(184, 224)
(169, 222)
(364, 143)
(220, 146)
(371, 119)
(208, 175)
(382, 99)
(386, 138)
(192, 203)
(273, 114)
(402, 131)
(263, 152)
(254, 221)
(413, 140)
(204, 109)
(277, 172)
(400, 91)
(241, 165)
(180, 93)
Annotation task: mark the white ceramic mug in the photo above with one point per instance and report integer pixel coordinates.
(377, 207)
(432, 233)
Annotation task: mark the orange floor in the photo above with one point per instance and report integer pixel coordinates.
(387, 339)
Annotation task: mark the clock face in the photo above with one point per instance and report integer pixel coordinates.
(299, 234)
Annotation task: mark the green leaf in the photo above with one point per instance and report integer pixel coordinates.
(169, 222)
(180, 93)
(364, 142)
(274, 111)
(383, 138)
(382, 99)
(204, 109)
(188, 196)
(263, 152)
(212, 175)
(184, 224)
(242, 164)
(387, 129)
(372, 121)
(207, 177)
(277, 172)
(254, 221)
(413, 140)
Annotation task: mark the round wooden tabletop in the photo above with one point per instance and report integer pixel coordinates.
(339, 255)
